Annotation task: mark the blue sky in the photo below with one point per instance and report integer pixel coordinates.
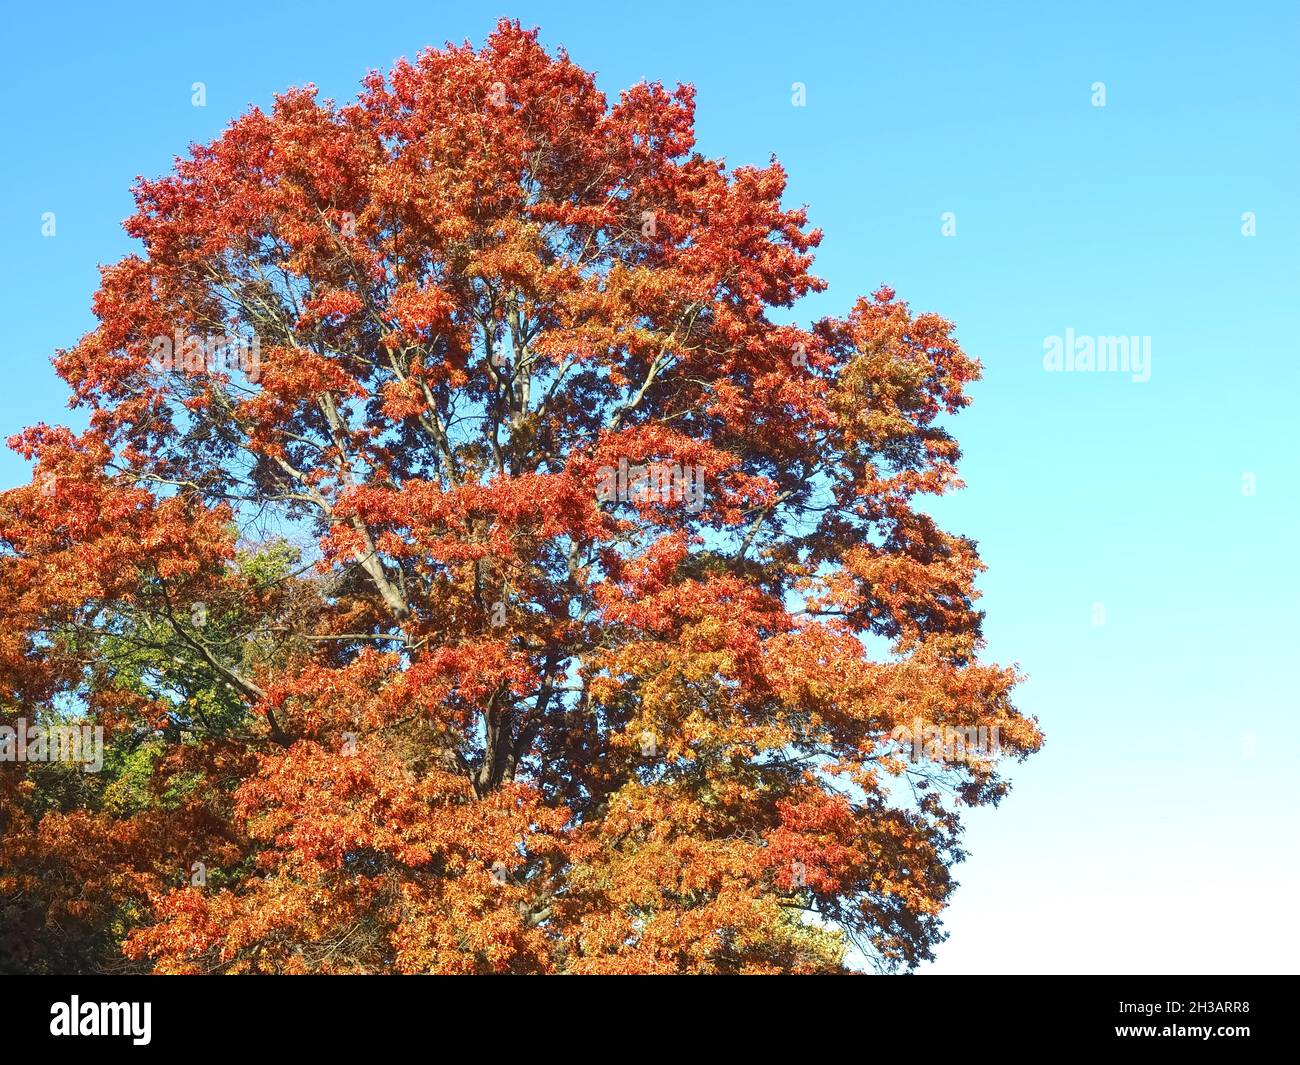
(1157, 830)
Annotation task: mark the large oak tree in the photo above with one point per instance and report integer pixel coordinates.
(401, 667)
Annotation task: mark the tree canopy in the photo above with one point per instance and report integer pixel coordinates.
(469, 575)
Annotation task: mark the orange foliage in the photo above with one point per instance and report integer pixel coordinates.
(491, 721)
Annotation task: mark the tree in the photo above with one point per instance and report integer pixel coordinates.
(470, 576)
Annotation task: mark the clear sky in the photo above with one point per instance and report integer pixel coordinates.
(1157, 830)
